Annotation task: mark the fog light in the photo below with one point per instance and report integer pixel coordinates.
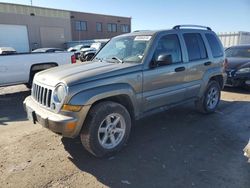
(70, 126)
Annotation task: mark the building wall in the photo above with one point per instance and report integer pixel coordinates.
(52, 27)
(36, 18)
(234, 38)
(91, 20)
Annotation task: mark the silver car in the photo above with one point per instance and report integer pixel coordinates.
(132, 76)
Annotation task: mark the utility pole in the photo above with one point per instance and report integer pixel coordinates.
(31, 3)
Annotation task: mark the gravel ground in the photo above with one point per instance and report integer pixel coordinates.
(177, 148)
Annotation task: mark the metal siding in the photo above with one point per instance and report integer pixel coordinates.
(26, 10)
(234, 38)
(245, 38)
(52, 36)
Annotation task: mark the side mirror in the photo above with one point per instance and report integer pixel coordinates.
(161, 60)
(164, 59)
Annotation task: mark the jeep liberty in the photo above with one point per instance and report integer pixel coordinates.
(133, 75)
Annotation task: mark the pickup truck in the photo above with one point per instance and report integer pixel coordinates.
(132, 76)
(21, 68)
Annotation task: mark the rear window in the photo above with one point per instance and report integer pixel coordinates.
(195, 46)
(243, 52)
(214, 45)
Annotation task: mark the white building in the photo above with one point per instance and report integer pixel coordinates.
(234, 38)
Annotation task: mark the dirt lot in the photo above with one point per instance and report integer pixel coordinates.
(177, 148)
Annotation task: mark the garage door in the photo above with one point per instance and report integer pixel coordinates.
(15, 36)
(52, 37)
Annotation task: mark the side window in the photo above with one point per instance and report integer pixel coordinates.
(214, 45)
(195, 46)
(169, 45)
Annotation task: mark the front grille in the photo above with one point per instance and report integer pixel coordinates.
(42, 95)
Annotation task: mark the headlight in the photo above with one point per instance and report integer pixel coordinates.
(60, 93)
(243, 70)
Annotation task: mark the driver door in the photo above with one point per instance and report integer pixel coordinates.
(164, 85)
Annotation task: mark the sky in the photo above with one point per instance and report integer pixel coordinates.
(220, 15)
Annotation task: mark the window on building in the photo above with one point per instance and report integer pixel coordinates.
(112, 27)
(214, 45)
(81, 25)
(125, 28)
(99, 27)
(195, 46)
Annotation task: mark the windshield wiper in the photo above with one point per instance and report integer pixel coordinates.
(118, 59)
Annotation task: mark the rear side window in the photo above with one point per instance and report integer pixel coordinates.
(214, 45)
(195, 46)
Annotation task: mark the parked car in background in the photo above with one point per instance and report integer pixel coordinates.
(47, 50)
(21, 68)
(132, 76)
(7, 50)
(87, 54)
(76, 49)
(238, 66)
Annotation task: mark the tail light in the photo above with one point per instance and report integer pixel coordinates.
(225, 64)
(73, 59)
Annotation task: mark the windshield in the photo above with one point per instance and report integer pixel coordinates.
(125, 49)
(238, 52)
(77, 47)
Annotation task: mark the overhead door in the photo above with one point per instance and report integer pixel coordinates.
(52, 37)
(15, 36)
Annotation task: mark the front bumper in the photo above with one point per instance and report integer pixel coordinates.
(236, 80)
(68, 125)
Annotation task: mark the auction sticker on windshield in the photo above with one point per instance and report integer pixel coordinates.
(142, 38)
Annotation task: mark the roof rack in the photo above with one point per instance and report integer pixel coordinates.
(191, 26)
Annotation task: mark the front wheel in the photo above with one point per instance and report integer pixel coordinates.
(211, 98)
(106, 129)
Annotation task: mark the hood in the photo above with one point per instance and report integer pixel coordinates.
(235, 63)
(83, 72)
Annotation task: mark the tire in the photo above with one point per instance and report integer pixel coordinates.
(29, 84)
(211, 98)
(246, 87)
(97, 135)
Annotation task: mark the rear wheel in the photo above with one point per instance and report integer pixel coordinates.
(106, 129)
(211, 98)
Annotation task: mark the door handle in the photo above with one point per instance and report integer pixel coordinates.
(179, 69)
(208, 63)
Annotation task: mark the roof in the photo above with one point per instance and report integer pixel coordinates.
(60, 10)
(153, 32)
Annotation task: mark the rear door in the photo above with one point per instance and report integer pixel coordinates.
(198, 62)
(163, 85)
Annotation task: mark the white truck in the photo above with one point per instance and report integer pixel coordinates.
(21, 68)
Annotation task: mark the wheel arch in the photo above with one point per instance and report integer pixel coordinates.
(219, 79)
(120, 93)
(122, 99)
(38, 67)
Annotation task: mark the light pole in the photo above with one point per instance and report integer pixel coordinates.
(31, 3)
